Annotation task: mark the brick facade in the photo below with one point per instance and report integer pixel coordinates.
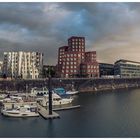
(72, 58)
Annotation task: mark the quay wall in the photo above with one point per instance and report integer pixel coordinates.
(80, 84)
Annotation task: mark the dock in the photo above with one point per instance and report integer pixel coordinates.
(67, 108)
(45, 113)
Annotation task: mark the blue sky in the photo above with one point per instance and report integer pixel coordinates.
(112, 29)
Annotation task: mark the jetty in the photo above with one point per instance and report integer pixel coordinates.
(45, 113)
(66, 108)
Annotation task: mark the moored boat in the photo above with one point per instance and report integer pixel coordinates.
(56, 100)
(21, 111)
(39, 91)
(63, 92)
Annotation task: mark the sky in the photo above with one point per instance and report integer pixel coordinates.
(111, 29)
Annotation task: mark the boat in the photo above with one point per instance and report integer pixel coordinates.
(63, 92)
(39, 91)
(2, 96)
(21, 111)
(59, 91)
(56, 100)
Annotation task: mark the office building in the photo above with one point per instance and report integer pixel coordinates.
(73, 58)
(90, 66)
(127, 68)
(70, 57)
(106, 69)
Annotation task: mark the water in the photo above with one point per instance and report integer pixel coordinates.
(105, 114)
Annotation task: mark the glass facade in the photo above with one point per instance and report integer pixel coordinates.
(106, 69)
(126, 68)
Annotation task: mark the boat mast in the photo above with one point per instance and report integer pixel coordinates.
(50, 93)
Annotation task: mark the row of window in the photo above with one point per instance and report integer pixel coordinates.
(68, 67)
(62, 50)
(78, 43)
(71, 59)
(90, 66)
(90, 71)
(69, 63)
(78, 39)
(68, 60)
(69, 71)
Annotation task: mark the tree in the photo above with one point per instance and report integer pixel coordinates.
(50, 71)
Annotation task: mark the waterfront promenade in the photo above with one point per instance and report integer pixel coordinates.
(80, 84)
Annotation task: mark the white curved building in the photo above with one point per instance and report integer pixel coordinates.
(23, 64)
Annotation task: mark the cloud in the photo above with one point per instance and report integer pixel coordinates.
(110, 28)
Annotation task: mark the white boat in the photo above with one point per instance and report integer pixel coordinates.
(11, 99)
(39, 91)
(2, 96)
(42, 96)
(62, 91)
(56, 100)
(21, 111)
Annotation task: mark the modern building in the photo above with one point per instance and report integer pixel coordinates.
(1, 66)
(90, 66)
(23, 64)
(106, 69)
(73, 58)
(70, 57)
(127, 68)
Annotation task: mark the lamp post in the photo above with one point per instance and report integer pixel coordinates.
(50, 93)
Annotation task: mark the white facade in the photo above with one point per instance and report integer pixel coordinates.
(23, 64)
(1, 66)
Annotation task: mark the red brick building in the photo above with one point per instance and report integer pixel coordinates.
(72, 58)
(90, 67)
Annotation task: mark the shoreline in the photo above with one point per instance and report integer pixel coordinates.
(96, 90)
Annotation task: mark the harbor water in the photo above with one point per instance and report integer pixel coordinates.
(104, 114)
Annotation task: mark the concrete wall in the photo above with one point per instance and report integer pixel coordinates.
(80, 84)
